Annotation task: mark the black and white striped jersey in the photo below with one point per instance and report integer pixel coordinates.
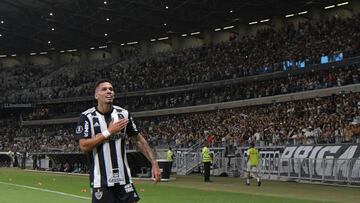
(108, 162)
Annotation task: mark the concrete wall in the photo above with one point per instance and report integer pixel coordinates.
(160, 46)
(98, 55)
(253, 29)
(176, 43)
(9, 62)
(39, 60)
(338, 13)
(191, 42)
(69, 57)
(220, 36)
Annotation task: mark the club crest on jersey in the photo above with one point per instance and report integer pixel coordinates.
(98, 194)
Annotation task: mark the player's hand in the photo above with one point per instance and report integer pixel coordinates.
(117, 126)
(155, 172)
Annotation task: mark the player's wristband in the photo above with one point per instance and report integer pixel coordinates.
(106, 134)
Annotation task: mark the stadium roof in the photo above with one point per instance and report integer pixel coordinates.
(41, 25)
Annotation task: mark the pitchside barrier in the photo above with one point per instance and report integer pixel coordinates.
(328, 163)
(321, 163)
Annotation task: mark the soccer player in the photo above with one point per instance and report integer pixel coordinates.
(101, 132)
(252, 161)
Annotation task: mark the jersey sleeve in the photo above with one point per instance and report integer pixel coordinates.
(131, 128)
(82, 130)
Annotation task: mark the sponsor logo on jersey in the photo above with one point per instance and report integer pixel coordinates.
(117, 136)
(115, 177)
(133, 124)
(86, 129)
(79, 129)
(128, 188)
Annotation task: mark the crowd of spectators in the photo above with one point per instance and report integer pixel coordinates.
(34, 82)
(36, 138)
(327, 120)
(19, 77)
(333, 119)
(256, 89)
(241, 91)
(250, 55)
(49, 86)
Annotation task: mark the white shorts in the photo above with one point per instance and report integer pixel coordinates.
(251, 168)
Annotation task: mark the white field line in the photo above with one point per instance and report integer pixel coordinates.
(46, 190)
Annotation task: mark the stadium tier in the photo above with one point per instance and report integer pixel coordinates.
(268, 51)
(321, 120)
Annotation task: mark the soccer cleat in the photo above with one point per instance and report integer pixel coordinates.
(248, 184)
(259, 183)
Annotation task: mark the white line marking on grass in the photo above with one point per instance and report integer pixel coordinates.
(46, 190)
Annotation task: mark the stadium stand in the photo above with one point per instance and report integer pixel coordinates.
(242, 90)
(252, 55)
(298, 58)
(333, 119)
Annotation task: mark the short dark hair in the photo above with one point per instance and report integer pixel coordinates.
(252, 144)
(102, 81)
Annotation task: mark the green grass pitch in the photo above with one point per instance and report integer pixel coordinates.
(18, 186)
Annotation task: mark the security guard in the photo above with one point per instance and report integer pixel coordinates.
(170, 157)
(207, 160)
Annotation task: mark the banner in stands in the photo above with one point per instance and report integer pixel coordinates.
(326, 162)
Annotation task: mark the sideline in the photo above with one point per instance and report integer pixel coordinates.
(46, 190)
(87, 175)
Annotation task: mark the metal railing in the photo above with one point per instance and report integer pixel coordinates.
(188, 159)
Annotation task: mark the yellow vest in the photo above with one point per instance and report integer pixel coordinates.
(253, 156)
(206, 155)
(169, 155)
